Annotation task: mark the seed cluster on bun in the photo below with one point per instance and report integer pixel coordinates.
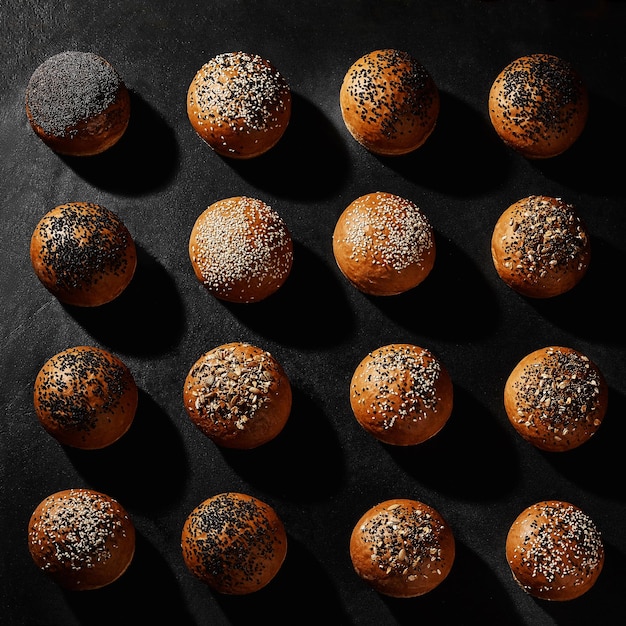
(77, 103)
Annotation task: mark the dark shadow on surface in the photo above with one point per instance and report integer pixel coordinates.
(308, 163)
(146, 319)
(462, 157)
(146, 467)
(144, 160)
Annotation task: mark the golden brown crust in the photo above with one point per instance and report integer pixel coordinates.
(234, 542)
(555, 551)
(83, 254)
(538, 105)
(556, 398)
(389, 102)
(401, 394)
(241, 249)
(402, 548)
(81, 538)
(540, 247)
(85, 397)
(77, 104)
(238, 395)
(240, 104)
(384, 244)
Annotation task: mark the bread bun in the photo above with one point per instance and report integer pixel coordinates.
(240, 104)
(389, 102)
(234, 542)
(555, 551)
(401, 394)
(540, 247)
(402, 548)
(383, 244)
(556, 398)
(241, 250)
(538, 105)
(83, 254)
(85, 397)
(238, 395)
(77, 104)
(81, 538)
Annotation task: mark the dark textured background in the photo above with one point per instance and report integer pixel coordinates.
(323, 471)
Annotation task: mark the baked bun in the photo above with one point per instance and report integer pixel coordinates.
(383, 244)
(240, 104)
(238, 395)
(538, 105)
(389, 102)
(77, 104)
(81, 538)
(556, 398)
(540, 247)
(85, 397)
(401, 394)
(555, 551)
(402, 548)
(234, 542)
(83, 254)
(241, 249)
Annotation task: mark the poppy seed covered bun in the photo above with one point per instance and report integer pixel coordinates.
(234, 542)
(538, 105)
(384, 244)
(240, 104)
(555, 551)
(83, 254)
(238, 395)
(540, 247)
(85, 397)
(402, 548)
(81, 538)
(77, 104)
(556, 398)
(389, 102)
(241, 249)
(401, 394)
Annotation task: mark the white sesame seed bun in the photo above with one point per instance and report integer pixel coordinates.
(241, 249)
(401, 394)
(555, 551)
(402, 548)
(239, 104)
(81, 538)
(384, 244)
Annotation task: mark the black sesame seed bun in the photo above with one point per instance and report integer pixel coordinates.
(85, 397)
(384, 244)
(556, 398)
(402, 548)
(77, 104)
(401, 394)
(81, 538)
(555, 551)
(389, 102)
(239, 104)
(238, 395)
(538, 105)
(83, 254)
(540, 247)
(241, 250)
(234, 542)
